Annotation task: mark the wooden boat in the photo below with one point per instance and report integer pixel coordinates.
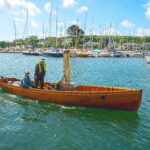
(82, 95)
(81, 54)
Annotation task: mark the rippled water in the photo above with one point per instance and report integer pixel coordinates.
(28, 125)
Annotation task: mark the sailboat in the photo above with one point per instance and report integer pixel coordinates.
(29, 50)
(53, 51)
(146, 52)
(147, 59)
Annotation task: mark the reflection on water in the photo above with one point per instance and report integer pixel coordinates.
(84, 113)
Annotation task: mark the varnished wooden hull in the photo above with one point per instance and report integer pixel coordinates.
(82, 95)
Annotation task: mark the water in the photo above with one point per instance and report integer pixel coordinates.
(28, 125)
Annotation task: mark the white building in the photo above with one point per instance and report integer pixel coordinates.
(145, 46)
(131, 46)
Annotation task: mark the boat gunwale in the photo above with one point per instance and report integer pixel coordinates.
(125, 90)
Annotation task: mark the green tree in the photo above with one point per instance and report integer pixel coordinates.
(74, 31)
(33, 41)
(3, 44)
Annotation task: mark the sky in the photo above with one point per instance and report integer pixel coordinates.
(97, 17)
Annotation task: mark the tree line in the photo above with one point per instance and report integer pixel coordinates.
(75, 38)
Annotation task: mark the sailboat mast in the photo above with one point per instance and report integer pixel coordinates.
(43, 36)
(84, 30)
(116, 36)
(110, 37)
(56, 28)
(26, 26)
(25, 33)
(15, 32)
(100, 37)
(65, 39)
(50, 20)
(105, 36)
(27, 23)
(143, 39)
(76, 35)
(92, 33)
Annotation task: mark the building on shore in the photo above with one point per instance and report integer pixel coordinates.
(131, 46)
(91, 44)
(145, 46)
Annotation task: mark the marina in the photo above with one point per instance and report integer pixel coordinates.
(80, 53)
(74, 74)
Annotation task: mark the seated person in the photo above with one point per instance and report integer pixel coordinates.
(26, 81)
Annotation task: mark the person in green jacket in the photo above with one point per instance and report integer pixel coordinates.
(26, 81)
(39, 75)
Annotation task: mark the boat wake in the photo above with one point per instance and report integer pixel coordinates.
(67, 107)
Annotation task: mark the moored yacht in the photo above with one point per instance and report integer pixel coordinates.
(30, 52)
(147, 59)
(53, 52)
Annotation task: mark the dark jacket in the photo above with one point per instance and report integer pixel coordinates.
(40, 72)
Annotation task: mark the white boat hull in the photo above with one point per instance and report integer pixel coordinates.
(147, 59)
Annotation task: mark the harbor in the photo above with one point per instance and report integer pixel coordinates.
(74, 74)
(113, 48)
(80, 52)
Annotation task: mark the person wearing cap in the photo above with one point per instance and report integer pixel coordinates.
(39, 75)
(26, 81)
